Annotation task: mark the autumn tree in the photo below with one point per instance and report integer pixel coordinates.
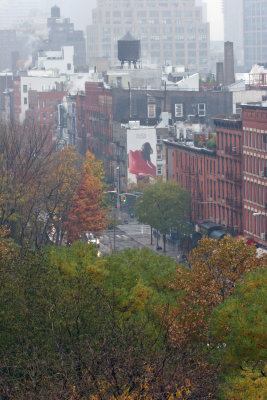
(239, 339)
(215, 270)
(87, 212)
(36, 185)
(163, 206)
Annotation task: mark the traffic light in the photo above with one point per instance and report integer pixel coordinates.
(123, 198)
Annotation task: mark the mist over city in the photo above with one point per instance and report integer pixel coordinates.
(133, 199)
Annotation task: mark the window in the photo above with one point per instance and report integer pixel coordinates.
(202, 110)
(44, 115)
(25, 100)
(51, 116)
(68, 66)
(51, 103)
(151, 110)
(25, 88)
(159, 170)
(159, 155)
(179, 112)
(43, 103)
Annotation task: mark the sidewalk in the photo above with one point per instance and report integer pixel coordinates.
(142, 235)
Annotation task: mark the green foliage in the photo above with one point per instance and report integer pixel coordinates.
(137, 279)
(164, 205)
(211, 143)
(68, 318)
(239, 334)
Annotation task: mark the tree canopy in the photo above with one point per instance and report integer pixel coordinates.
(164, 205)
(87, 212)
(239, 339)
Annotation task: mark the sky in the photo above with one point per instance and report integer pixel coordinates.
(80, 13)
(215, 17)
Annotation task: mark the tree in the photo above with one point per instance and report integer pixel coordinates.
(239, 339)
(164, 205)
(71, 326)
(215, 269)
(36, 185)
(87, 213)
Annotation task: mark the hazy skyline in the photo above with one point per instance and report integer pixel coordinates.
(80, 12)
(215, 17)
(81, 15)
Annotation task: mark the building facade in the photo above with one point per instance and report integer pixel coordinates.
(8, 50)
(170, 31)
(255, 172)
(228, 210)
(233, 27)
(61, 33)
(255, 32)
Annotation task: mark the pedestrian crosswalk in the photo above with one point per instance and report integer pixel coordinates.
(108, 237)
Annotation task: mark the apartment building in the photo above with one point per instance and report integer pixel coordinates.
(171, 31)
(255, 32)
(255, 172)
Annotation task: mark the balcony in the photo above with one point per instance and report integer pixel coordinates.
(232, 151)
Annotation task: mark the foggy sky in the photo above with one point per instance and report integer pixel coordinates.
(215, 17)
(80, 13)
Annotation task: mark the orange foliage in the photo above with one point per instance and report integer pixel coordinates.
(87, 213)
(215, 270)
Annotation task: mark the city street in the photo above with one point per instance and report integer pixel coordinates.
(135, 236)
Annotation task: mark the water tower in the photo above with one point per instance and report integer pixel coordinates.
(129, 50)
(55, 12)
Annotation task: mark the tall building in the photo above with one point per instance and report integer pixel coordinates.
(233, 27)
(255, 172)
(61, 33)
(171, 31)
(13, 13)
(8, 50)
(255, 32)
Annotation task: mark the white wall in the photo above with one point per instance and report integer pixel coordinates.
(38, 83)
(61, 61)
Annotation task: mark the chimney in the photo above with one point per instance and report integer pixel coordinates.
(219, 73)
(229, 71)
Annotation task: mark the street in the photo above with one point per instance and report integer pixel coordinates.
(135, 236)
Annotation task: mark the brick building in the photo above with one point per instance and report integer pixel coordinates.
(95, 124)
(228, 210)
(194, 169)
(43, 111)
(229, 186)
(255, 172)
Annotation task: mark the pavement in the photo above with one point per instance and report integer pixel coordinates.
(130, 234)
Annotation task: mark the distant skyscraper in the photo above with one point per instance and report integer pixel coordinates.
(255, 31)
(14, 12)
(170, 31)
(233, 27)
(61, 33)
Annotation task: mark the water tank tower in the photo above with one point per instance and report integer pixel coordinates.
(129, 50)
(55, 12)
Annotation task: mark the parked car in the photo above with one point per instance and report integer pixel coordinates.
(92, 239)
